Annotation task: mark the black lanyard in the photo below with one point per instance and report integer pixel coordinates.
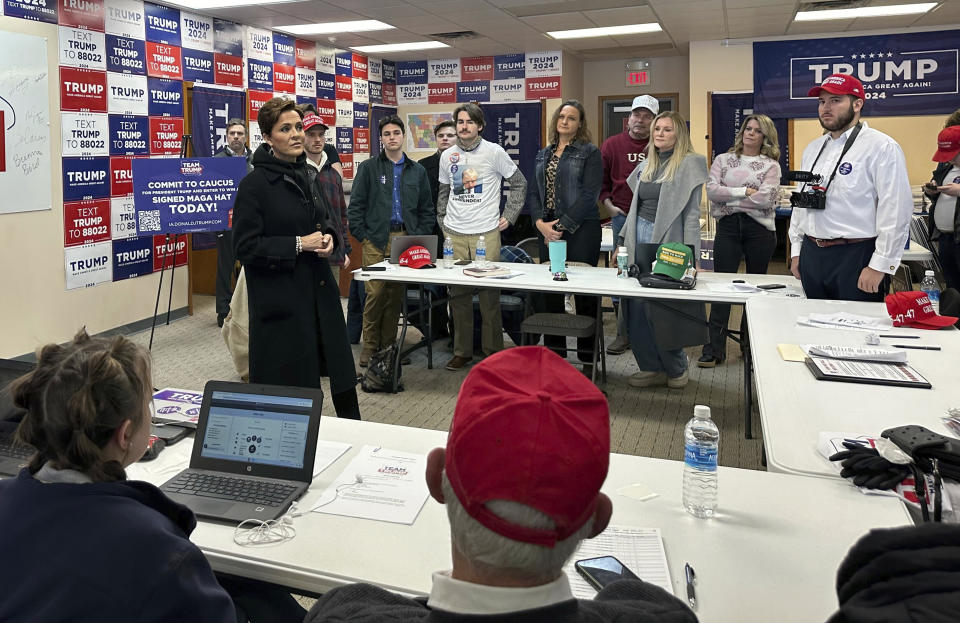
(846, 148)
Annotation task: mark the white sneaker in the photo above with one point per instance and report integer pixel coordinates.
(647, 379)
(679, 382)
(568, 304)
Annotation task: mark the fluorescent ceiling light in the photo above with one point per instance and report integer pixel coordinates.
(869, 11)
(629, 29)
(201, 5)
(332, 28)
(399, 47)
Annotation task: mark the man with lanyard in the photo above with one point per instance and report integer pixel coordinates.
(468, 206)
(621, 154)
(327, 188)
(390, 197)
(846, 246)
(236, 147)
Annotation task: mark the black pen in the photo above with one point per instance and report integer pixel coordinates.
(902, 337)
(916, 347)
(691, 579)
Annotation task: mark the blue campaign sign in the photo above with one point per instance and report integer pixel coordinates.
(304, 99)
(165, 97)
(86, 178)
(37, 10)
(129, 135)
(376, 92)
(503, 128)
(361, 115)
(344, 64)
(345, 140)
(198, 66)
(184, 195)
(509, 66)
(727, 112)
(411, 72)
(284, 51)
(162, 23)
(902, 74)
(212, 109)
(126, 56)
(389, 71)
(477, 91)
(227, 37)
(132, 257)
(259, 75)
(326, 86)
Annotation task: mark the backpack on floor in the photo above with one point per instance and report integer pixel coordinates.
(379, 374)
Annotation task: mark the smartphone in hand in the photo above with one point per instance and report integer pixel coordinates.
(599, 572)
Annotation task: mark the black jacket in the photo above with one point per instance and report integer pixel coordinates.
(226, 153)
(432, 164)
(371, 200)
(939, 174)
(901, 575)
(297, 331)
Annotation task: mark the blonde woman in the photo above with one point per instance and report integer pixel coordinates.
(743, 190)
(667, 188)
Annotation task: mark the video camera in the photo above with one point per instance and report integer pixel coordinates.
(812, 198)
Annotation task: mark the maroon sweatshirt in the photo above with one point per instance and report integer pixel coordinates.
(621, 155)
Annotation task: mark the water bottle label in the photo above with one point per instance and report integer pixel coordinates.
(701, 458)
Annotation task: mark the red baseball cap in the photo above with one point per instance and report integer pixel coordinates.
(312, 120)
(913, 309)
(948, 144)
(529, 428)
(416, 257)
(839, 84)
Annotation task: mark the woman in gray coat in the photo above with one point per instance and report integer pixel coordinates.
(667, 187)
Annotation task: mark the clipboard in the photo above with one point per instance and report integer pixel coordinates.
(866, 372)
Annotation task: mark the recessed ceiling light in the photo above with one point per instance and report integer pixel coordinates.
(629, 29)
(332, 28)
(867, 11)
(201, 5)
(400, 47)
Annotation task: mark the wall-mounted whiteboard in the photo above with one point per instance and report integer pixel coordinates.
(25, 179)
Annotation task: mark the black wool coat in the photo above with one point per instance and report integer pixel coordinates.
(297, 331)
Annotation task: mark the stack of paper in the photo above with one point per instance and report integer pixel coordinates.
(640, 549)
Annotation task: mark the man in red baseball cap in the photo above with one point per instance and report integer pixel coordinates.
(944, 194)
(527, 454)
(849, 233)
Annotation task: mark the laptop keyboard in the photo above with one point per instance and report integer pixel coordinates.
(15, 450)
(227, 488)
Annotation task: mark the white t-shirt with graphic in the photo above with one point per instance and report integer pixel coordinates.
(474, 178)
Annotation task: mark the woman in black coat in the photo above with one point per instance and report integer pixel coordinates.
(283, 240)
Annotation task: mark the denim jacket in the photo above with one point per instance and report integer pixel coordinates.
(576, 188)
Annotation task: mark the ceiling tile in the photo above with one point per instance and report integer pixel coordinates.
(563, 21)
(617, 17)
(835, 25)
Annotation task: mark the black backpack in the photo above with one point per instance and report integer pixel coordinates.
(379, 374)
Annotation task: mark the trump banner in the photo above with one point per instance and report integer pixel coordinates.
(212, 110)
(503, 123)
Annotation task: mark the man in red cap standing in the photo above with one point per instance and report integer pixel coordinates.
(521, 474)
(851, 231)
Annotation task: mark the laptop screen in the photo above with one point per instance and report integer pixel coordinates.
(257, 428)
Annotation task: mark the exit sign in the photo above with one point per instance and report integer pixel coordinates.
(638, 78)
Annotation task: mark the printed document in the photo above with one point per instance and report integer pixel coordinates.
(640, 549)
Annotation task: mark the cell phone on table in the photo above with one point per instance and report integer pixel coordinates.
(599, 572)
(461, 262)
(771, 286)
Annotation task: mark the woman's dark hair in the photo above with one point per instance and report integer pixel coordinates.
(583, 133)
(270, 112)
(77, 397)
(473, 111)
(391, 120)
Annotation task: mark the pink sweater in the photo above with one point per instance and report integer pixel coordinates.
(732, 175)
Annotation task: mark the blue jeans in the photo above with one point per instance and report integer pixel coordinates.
(640, 331)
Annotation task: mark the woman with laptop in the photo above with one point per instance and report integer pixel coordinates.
(284, 241)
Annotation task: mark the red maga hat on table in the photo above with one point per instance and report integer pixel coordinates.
(913, 309)
(416, 257)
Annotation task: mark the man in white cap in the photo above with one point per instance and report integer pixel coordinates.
(850, 233)
(621, 153)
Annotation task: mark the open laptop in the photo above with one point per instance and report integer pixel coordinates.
(401, 243)
(13, 457)
(253, 453)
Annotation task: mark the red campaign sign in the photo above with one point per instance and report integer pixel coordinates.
(165, 135)
(442, 93)
(284, 78)
(257, 99)
(121, 176)
(542, 88)
(389, 93)
(361, 140)
(81, 14)
(228, 70)
(164, 61)
(306, 53)
(83, 90)
(86, 221)
(163, 248)
(327, 111)
(346, 161)
(344, 88)
(476, 68)
(361, 65)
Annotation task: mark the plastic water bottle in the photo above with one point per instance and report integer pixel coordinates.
(701, 439)
(931, 288)
(622, 259)
(447, 252)
(481, 252)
